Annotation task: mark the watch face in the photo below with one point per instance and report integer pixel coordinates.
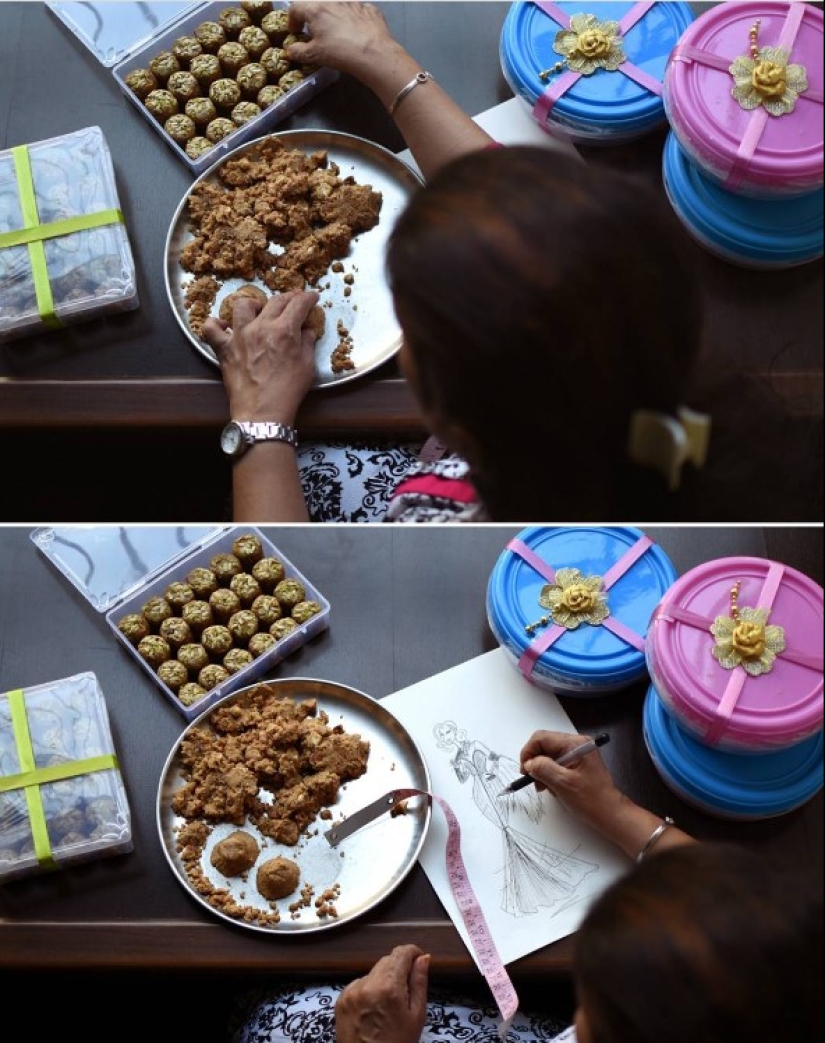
(233, 441)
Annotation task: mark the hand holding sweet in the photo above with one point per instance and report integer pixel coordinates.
(352, 37)
(389, 1005)
(267, 357)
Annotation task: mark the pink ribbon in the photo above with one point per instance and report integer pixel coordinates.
(736, 681)
(759, 117)
(541, 110)
(540, 644)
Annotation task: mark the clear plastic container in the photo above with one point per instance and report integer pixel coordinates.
(79, 811)
(90, 272)
(126, 36)
(119, 568)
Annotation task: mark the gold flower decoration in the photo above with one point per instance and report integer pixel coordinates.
(574, 599)
(748, 641)
(590, 44)
(767, 79)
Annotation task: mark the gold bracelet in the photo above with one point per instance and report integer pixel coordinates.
(421, 77)
(654, 837)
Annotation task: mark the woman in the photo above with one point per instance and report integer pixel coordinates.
(697, 942)
(552, 335)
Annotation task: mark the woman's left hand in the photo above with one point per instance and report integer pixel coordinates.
(389, 1005)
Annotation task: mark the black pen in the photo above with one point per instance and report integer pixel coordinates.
(575, 754)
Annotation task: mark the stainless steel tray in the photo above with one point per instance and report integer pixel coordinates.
(368, 313)
(367, 866)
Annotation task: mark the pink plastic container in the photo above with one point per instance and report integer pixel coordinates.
(748, 151)
(732, 708)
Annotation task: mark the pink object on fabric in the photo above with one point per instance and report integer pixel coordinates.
(729, 708)
(749, 152)
(436, 486)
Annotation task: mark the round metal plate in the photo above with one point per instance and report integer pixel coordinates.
(368, 312)
(369, 865)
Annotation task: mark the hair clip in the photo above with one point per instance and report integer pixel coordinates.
(666, 443)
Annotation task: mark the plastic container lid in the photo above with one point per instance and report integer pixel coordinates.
(731, 785)
(755, 233)
(591, 657)
(113, 30)
(604, 103)
(727, 707)
(711, 124)
(109, 563)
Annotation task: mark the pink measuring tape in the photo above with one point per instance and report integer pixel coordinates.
(483, 946)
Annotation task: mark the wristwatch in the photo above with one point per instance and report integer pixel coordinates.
(238, 435)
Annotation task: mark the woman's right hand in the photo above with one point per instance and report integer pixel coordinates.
(585, 788)
(352, 37)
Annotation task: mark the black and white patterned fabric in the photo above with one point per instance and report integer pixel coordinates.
(306, 1014)
(352, 482)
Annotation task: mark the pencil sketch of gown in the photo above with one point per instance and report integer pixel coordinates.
(535, 874)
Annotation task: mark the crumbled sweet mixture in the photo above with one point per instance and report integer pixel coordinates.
(198, 300)
(276, 215)
(340, 359)
(324, 903)
(257, 746)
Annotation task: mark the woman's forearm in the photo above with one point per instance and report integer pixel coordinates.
(266, 485)
(435, 128)
(630, 827)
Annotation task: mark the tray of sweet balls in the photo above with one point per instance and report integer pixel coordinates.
(218, 618)
(219, 78)
(206, 76)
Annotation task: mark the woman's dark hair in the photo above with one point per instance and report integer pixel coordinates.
(707, 942)
(544, 300)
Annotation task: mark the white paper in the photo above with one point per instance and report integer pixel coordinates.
(510, 124)
(534, 868)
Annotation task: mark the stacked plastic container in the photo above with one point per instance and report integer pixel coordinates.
(743, 161)
(571, 605)
(592, 74)
(733, 720)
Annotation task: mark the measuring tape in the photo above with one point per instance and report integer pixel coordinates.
(483, 946)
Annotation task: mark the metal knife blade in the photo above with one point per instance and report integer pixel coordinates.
(369, 813)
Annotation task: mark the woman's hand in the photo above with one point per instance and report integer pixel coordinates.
(389, 1005)
(585, 788)
(267, 357)
(352, 37)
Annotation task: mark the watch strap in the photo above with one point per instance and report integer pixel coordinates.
(268, 431)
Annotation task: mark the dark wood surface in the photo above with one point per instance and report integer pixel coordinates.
(134, 384)
(406, 604)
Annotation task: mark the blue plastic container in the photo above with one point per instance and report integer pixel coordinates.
(753, 233)
(726, 784)
(590, 659)
(605, 107)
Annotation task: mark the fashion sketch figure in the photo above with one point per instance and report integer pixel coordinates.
(534, 873)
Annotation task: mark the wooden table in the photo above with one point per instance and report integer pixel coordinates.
(406, 604)
(133, 383)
